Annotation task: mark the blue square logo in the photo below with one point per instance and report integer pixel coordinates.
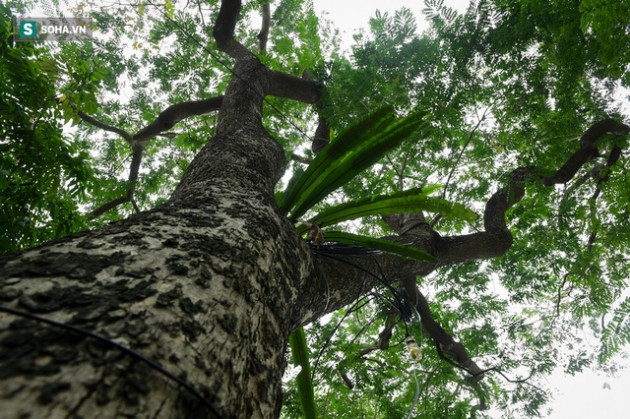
(28, 29)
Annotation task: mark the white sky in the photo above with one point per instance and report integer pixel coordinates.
(582, 396)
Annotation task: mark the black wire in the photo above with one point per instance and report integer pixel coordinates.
(402, 302)
(321, 351)
(406, 305)
(129, 351)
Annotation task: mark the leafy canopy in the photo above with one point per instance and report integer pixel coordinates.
(505, 84)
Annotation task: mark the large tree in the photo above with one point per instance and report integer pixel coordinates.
(184, 308)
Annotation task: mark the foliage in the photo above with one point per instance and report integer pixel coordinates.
(356, 149)
(44, 175)
(507, 83)
(299, 350)
(411, 200)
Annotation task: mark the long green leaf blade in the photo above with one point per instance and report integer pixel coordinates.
(299, 352)
(355, 162)
(382, 245)
(389, 205)
(347, 141)
(323, 218)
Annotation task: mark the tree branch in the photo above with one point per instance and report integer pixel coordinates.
(177, 112)
(164, 121)
(322, 133)
(103, 126)
(263, 35)
(107, 206)
(497, 239)
(291, 87)
(587, 151)
(444, 341)
(383, 337)
(305, 90)
(224, 31)
(354, 273)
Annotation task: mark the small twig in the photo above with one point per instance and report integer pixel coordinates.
(300, 159)
(461, 153)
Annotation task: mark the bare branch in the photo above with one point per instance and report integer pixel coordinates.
(165, 120)
(103, 126)
(224, 31)
(444, 342)
(291, 87)
(306, 90)
(345, 378)
(322, 133)
(108, 206)
(322, 136)
(263, 35)
(175, 113)
(587, 151)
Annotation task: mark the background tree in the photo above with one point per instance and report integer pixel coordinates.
(210, 280)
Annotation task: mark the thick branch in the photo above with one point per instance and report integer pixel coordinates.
(306, 90)
(291, 87)
(322, 133)
(587, 151)
(175, 113)
(497, 239)
(224, 30)
(407, 223)
(445, 342)
(352, 274)
(355, 274)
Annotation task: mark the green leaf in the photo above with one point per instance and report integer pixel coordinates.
(382, 245)
(349, 156)
(349, 139)
(299, 352)
(412, 200)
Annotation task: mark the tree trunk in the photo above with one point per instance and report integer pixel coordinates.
(206, 285)
(210, 284)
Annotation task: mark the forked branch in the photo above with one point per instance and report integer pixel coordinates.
(164, 121)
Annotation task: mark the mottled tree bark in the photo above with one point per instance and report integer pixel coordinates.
(208, 285)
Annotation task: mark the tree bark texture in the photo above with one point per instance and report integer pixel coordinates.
(208, 285)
